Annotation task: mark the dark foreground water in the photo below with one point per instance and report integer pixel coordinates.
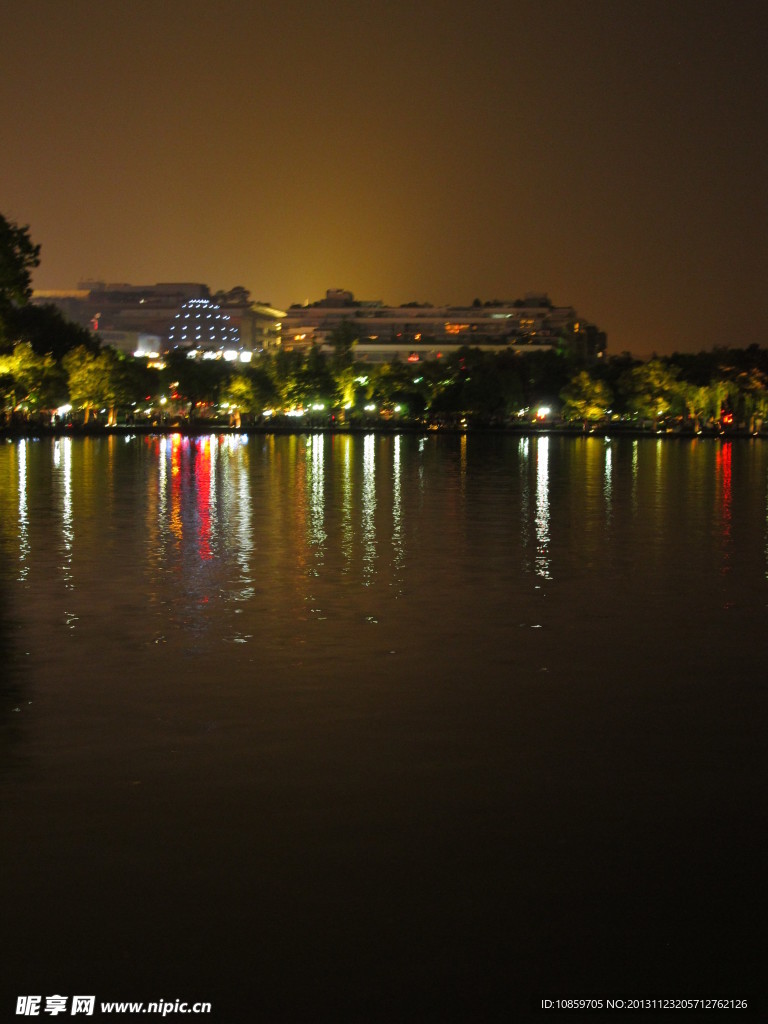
(382, 728)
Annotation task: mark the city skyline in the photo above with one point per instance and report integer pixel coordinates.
(607, 153)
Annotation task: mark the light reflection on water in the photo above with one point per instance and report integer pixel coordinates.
(64, 465)
(355, 502)
(368, 507)
(244, 532)
(608, 485)
(522, 461)
(316, 491)
(23, 514)
(463, 463)
(542, 508)
(724, 498)
(397, 512)
(215, 526)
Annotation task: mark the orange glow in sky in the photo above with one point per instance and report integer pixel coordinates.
(610, 152)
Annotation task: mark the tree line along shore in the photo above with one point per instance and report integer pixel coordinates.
(91, 388)
(54, 375)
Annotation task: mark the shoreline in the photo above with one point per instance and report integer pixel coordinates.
(34, 431)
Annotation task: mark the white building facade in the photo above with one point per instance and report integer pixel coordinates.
(384, 332)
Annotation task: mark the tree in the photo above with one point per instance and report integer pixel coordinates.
(585, 399)
(48, 330)
(720, 390)
(697, 399)
(96, 378)
(237, 296)
(543, 375)
(486, 384)
(318, 383)
(651, 390)
(343, 337)
(389, 385)
(28, 380)
(240, 396)
(248, 392)
(18, 258)
(750, 396)
(285, 370)
(198, 383)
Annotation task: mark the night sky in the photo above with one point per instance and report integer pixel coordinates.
(610, 152)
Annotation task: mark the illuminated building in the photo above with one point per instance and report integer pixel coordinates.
(126, 315)
(201, 324)
(426, 331)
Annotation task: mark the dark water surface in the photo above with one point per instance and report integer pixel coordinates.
(382, 728)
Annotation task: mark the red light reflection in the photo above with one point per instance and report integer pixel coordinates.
(723, 464)
(203, 485)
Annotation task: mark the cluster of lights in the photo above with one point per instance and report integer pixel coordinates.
(321, 407)
(201, 323)
(230, 355)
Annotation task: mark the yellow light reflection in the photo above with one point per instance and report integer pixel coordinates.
(175, 518)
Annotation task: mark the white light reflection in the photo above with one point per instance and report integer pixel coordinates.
(634, 476)
(422, 444)
(67, 528)
(244, 532)
(542, 508)
(164, 456)
(212, 494)
(397, 521)
(157, 503)
(608, 482)
(214, 457)
(369, 507)
(316, 491)
(23, 511)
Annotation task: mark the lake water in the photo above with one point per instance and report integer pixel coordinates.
(382, 728)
